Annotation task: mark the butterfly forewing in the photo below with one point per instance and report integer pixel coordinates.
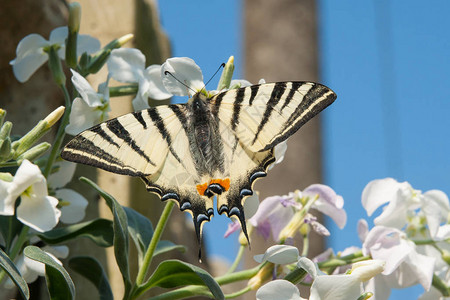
(264, 115)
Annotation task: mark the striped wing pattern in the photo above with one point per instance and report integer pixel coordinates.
(158, 145)
(265, 115)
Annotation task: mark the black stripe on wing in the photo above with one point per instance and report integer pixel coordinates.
(82, 150)
(315, 100)
(159, 123)
(275, 97)
(116, 127)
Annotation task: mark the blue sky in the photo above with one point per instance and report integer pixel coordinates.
(388, 62)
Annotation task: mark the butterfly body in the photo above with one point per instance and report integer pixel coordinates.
(217, 146)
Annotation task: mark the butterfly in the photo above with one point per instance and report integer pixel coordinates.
(210, 146)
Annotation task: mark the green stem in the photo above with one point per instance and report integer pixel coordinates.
(124, 90)
(154, 242)
(21, 240)
(439, 284)
(238, 293)
(60, 133)
(237, 260)
(305, 245)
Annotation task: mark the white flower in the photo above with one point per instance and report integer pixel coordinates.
(37, 209)
(279, 254)
(278, 289)
(324, 287)
(73, 205)
(402, 202)
(89, 109)
(345, 286)
(404, 265)
(128, 65)
(31, 52)
(186, 78)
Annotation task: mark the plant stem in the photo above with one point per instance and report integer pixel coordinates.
(238, 293)
(237, 260)
(60, 133)
(154, 242)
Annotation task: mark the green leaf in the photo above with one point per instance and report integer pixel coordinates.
(10, 269)
(173, 273)
(140, 229)
(10, 228)
(100, 231)
(166, 246)
(90, 268)
(59, 283)
(120, 225)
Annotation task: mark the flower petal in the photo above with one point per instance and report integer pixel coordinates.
(83, 87)
(185, 70)
(435, 205)
(126, 65)
(82, 116)
(278, 289)
(378, 192)
(75, 211)
(64, 175)
(88, 44)
(39, 212)
(279, 254)
(155, 88)
(309, 266)
(29, 56)
(6, 203)
(329, 203)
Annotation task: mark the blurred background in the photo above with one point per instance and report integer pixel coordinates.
(388, 62)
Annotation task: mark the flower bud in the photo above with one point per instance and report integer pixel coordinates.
(264, 274)
(2, 116)
(446, 256)
(5, 149)
(37, 132)
(54, 116)
(5, 130)
(6, 177)
(227, 74)
(74, 17)
(34, 152)
(74, 27)
(365, 296)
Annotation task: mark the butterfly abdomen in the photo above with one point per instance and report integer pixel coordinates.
(205, 143)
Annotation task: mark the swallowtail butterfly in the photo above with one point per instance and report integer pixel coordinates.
(217, 146)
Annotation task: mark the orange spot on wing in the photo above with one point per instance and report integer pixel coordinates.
(201, 188)
(225, 183)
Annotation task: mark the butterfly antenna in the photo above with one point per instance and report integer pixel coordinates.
(173, 76)
(222, 65)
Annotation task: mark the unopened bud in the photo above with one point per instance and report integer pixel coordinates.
(74, 27)
(54, 116)
(6, 177)
(227, 74)
(446, 256)
(5, 149)
(37, 132)
(34, 152)
(264, 274)
(365, 296)
(5, 131)
(2, 116)
(74, 17)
